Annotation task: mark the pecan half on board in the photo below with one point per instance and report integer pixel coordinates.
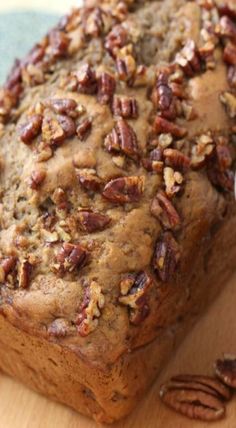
(225, 370)
(197, 397)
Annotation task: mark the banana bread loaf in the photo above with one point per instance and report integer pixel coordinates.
(118, 216)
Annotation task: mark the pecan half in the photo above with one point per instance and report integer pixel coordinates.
(31, 128)
(122, 138)
(88, 179)
(176, 159)
(84, 128)
(162, 125)
(229, 100)
(188, 59)
(166, 256)
(37, 178)
(134, 289)
(65, 106)
(70, 257)
(124, 189)
(86, 80)
(125, 107)
(225, 369)
(163, 209)
(204, 383)
(24, 273)
(92, 222)
(59, 43)
(173, 181)
(106, 88)
(90, 310)
(116, 39)
(196, 398)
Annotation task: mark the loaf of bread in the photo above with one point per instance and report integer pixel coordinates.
(118, 214)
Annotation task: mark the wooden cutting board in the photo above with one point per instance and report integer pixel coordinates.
(214, 334)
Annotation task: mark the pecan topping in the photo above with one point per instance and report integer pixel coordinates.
(226, 28)
(232, 75)
(68, 125)
(122, 138)
(196, 397)
(155, 161)
(36, 179)
(24, 273)
(176, 159)
(228, 9)
(90, 310)
(31, 128)
(86, 80)
(64, 106)
(188, 59)
(124, 189)
(88, 179)
(7, 266)
(225, 369)
(218, 168)
(229, 100)
(229, 55)
(125, 66)
(173, 181)
(70, 257)
(163, 209)
(125, 107)
(52, 131)
(32, 75)
(92, 222)
(106, 88)
(116, 39)
(166, 256)
(162, 125)
(59, 43)
(162, 97)
(134, 289)
(202, 151)
(84, 128)
(97, 22)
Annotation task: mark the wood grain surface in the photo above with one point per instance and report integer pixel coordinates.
(214, 334)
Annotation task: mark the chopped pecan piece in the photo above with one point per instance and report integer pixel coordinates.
(162, 125)
(84, 128)
(70, 257)
(197, 397)
(173, 181)
(232, 75)
(86, 80)
(188, 59)
(124, 189)
(97, 22)
(144, 76)
(90, 310)
(229, 55)
(176, 159)
(162, 97)
(92, 222)
(163, 209)
(116, 39)
(7, 266)
(125, 107)
(24, 273)
(52, 131)
(59, 328)
(67, 124)
(31, 128)
(166, 256)
(106, 88)
(122, 138)
(88, 179)
(36, 179)
(64, 106)
(155, 161)
(229, 100)
(126, 67)
(59, 43)
(134, 289)
(32, 75)
(226, 28)
(201, 151)
(225, 370)
(228, 9)
(218, 171)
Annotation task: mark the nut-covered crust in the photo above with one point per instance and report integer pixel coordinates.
(117, 176)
